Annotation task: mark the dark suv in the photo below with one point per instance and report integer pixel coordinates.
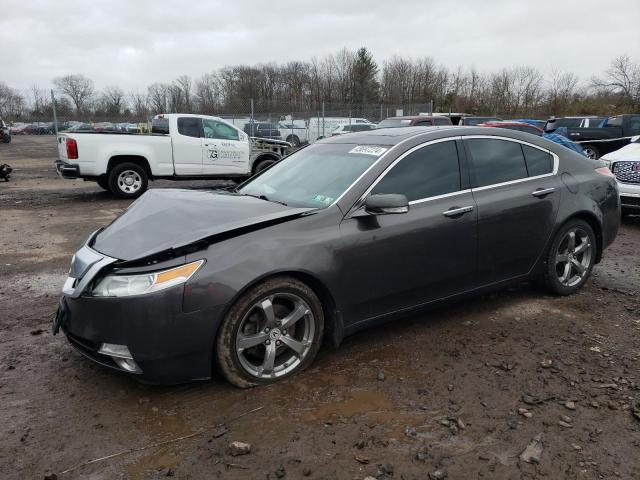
(263, 130)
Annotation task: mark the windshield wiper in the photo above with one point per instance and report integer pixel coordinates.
(264, 197)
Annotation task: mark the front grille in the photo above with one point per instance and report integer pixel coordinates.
(627, 171)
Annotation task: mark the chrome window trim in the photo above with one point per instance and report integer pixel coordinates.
(411, 150)
(556, 162)
(438, 197)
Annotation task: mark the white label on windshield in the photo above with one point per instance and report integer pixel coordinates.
(368, 150)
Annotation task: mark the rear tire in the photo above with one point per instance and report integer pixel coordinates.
(294, 141)
(570, 258)
(128, 180)
(263, 165)
(591, 152)
(272, 332)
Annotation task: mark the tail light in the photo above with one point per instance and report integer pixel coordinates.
(605, 171)
(72, 148)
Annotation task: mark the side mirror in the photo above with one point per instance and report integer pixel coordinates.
(387, 203)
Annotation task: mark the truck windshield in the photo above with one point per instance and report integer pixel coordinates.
(315, 176)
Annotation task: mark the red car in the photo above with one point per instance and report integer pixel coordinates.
(521, 126)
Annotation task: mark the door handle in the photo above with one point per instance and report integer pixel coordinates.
(455, 211)
(542, 192)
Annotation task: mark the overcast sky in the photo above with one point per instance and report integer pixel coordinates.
(132, 43)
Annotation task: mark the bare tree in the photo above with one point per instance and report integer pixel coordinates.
(561, 91)
(113, 101)
(12, 104)
(78, 87)
(623, 79)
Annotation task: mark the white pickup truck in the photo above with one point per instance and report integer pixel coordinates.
(180, 147)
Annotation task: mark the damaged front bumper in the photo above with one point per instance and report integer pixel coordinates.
(147, 335)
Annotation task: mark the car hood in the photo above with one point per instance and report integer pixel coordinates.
(628, 152)
(165, 219)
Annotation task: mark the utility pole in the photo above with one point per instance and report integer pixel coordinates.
(55, 116)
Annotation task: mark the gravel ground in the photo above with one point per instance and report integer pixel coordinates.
(515, 384)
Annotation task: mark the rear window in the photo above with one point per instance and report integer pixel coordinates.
(160, 125)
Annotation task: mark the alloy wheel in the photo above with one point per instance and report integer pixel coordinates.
(573, 257)
(275, 335)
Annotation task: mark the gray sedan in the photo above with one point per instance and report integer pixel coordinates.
(348, 232)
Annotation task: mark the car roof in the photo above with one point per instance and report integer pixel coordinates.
(413, 117)
(394, 136)
(384, 136)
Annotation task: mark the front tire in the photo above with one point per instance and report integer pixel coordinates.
(570, 258)
(128, 180)
(272, 332)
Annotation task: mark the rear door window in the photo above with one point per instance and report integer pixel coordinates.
(190, 126)
(424, 123)
(441, 121)
(427, 172)
(495, 161)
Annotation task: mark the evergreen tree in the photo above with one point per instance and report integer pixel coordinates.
(365, 83)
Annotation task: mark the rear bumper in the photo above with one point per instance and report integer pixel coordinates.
(67, 170)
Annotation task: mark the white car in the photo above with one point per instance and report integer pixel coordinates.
(321, 127)
(625, 165)
(180, 147)
(354, 127)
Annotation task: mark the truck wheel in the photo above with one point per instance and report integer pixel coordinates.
(591, 152)
(262, 165)
(294, 141)
(103, 182)
(128, 180)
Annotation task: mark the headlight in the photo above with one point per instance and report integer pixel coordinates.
(126, 285)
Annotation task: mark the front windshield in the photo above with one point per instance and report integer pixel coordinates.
(394, 123)
(314, 176)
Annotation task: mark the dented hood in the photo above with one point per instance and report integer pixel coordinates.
(164, 219)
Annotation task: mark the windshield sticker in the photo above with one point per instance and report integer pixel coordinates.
(368, 150)
(323, 199)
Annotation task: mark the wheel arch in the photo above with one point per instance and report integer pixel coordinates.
(595, 225)
(137, 159)
(333, 327)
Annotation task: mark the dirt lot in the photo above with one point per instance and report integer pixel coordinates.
(459, 391)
